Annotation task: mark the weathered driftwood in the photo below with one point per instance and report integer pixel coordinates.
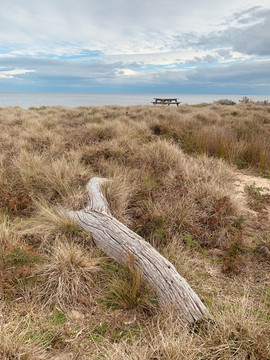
(117, 241)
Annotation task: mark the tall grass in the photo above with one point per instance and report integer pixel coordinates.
(171, 178)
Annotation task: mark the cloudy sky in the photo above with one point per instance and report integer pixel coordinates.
(138, 46)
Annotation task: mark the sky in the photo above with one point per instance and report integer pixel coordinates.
(138, 46)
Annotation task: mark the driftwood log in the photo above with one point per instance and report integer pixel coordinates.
(118, 241)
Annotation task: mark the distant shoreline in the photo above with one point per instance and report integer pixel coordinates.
(26, 100)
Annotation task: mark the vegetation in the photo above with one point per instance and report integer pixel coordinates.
(225, 102)
(172, 174)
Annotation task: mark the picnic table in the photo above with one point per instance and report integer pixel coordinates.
(169, 101)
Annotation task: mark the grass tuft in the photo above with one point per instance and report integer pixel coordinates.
(129, 291)
(66, 279)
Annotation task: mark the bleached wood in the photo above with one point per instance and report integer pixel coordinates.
(117, 241)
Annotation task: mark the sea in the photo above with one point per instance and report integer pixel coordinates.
(37, 99)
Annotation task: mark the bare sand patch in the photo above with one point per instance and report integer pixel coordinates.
(243, 181)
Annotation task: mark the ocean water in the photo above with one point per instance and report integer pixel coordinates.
(26, 100)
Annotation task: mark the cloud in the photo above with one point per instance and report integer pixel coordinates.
(255, 74)
(247, 32)
(126, 72)
(56, 75)
(42, 72)
(209, 59)
(9, 74)
(115, 45)
(225, 53)
(109, 26)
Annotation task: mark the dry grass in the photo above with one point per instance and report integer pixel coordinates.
(171, 179)
(46, 225)
(65, 280)
(128, 291)
(234, 335)
(14, 344)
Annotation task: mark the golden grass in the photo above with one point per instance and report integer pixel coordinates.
(46, 225)
(171, 178)
(65, 280)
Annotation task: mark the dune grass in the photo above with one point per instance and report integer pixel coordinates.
(171, 178)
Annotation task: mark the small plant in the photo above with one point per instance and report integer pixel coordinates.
(15, 201)
(102, 329)
(191, 243)
(224, 102)
(58, 318)
(17, 264)
(238, 223)
(245, 100)
(130, 291)
(255, 198)
(265, 175)
(151, 226)
(165, 132)
(264, 102)
(18, 257)
(232, 260)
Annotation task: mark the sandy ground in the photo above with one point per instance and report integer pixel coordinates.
(258, 214)
(242, 181)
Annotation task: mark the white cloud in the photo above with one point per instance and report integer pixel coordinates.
(126, 72)
(111, 26)
(87, 44)
(9, 74)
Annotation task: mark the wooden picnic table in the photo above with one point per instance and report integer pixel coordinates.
(168, 101)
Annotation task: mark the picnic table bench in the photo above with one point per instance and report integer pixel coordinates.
(166, 101)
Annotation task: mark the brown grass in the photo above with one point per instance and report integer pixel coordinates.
(171, 178)
(129, 291)
(65, 280)
(14, 344)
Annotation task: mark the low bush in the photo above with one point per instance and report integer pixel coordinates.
(224, 102)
